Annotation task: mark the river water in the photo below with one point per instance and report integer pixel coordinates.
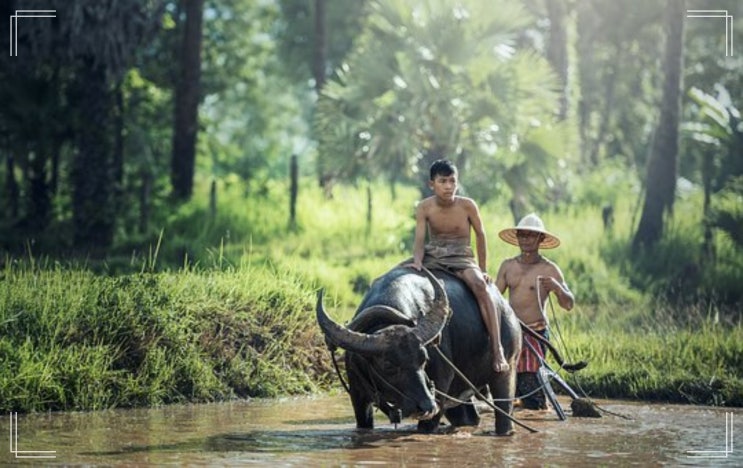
(320, 431)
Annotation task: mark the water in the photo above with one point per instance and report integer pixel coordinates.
(320, 431)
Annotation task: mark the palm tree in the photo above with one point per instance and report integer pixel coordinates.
(717, 135)
(429, 79)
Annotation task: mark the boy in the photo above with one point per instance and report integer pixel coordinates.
(530, 278)
(449, 219)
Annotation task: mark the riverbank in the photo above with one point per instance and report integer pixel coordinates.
(73, 340)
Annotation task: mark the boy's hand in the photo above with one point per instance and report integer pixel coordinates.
(487, 277)
(415, 265)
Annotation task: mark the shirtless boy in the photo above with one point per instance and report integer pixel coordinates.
(449, 219)
(522, 275)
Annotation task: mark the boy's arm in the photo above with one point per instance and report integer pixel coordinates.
(420, 236)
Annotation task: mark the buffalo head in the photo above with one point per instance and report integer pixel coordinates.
(390, 360)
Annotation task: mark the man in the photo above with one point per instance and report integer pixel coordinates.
(450, 220)
(530, 278)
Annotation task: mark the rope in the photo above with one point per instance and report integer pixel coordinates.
(338, 372)
(576, 381)
(480, 395)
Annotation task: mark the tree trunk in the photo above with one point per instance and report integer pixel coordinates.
(557, 50)
(118, 153)
(320, 49)
(187, 96)
(145, 194)
(660, 183)
(294, 190)
(586, 75)
(707, 171)
(369, 207)
(11, 186)
(38, 200)
(92, 210)
(319, 59)
(56, 155)
(213, 201)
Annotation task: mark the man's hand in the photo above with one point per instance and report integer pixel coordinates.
(548, 284)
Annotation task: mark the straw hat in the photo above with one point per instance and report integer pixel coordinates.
(530, 222)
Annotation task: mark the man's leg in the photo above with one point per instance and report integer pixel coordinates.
(529, 389)
(490, 316)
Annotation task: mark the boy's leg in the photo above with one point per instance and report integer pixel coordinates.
(475, 281)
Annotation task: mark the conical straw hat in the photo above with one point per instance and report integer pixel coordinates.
(530, 222)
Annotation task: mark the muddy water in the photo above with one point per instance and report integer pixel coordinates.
(319, 431)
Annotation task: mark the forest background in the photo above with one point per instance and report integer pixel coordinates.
(180, 177)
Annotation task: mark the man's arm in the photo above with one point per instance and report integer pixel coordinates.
(556, 282)
(500, 279)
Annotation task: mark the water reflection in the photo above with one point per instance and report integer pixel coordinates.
(321, 431)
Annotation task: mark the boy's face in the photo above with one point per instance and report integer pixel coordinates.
(444, 187)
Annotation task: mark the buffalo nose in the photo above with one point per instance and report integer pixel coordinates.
(428, 411)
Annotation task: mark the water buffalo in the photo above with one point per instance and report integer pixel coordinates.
(391, 362)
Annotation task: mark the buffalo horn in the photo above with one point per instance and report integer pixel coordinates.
(431, 324)
(362, 343)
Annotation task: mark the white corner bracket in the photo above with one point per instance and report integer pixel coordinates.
(25, 14)
(717, 14)
(25, 453)
(728, 442)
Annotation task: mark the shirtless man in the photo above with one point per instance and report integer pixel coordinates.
(522, 275)
(449, 219)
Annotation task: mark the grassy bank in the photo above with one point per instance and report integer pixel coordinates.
(220, 305)
(650, 354)
(70, 340)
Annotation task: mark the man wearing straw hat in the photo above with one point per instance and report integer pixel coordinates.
(530, 278)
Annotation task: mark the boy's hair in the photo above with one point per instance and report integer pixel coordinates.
(442, 167)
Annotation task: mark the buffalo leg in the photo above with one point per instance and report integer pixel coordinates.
(362, 404)
(502, 388)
